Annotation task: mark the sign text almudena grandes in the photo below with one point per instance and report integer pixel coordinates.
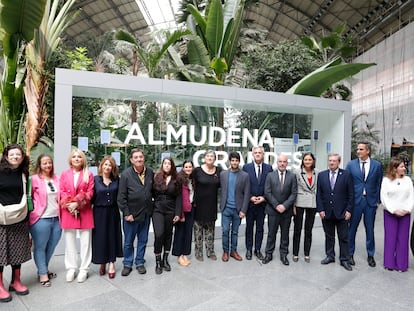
(213, 137)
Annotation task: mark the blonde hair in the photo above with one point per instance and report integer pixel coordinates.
(84, 163)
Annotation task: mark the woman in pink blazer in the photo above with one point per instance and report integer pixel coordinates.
(76, 191)
(44, 219)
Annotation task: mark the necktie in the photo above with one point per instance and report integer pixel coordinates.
(332, 180)
(281, 181)
(363, 170)
(259, 173)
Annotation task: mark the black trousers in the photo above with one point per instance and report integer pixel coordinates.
(341, 226)
(255, 214)
(163, 228)
(274, 222)
(298, 222)
(183, 235)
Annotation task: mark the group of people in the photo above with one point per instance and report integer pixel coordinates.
(63, 202)
(89, 207)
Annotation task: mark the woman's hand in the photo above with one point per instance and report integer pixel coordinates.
(72, 207)
(176, 219)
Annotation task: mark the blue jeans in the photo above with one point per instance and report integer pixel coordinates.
(46, 234)
(132, 230)
(230, 217)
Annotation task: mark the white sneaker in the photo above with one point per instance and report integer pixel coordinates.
(70, 275)
(82, 276)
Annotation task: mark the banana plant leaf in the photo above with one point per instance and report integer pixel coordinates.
(214, 28)
(21, 17)
(320, 80)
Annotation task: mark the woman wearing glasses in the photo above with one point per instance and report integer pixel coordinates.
(44, 219)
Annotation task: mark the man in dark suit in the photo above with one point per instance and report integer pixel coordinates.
(280, 193)
(367, 176)
(334, 201)
(235, 194)
(257, 171)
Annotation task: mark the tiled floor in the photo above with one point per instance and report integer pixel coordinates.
(246, 285)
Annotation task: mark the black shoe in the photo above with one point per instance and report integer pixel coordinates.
(158, 264)
(346, 265)
(165, 263)
(141, 269)
(351, 261)
(267, 259)
(327, 260)
(284, 260)
(259, 255)
(126, 271)
(371, 261)
(249, 255)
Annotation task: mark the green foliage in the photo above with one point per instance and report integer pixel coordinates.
(320, 80)
(20, 17)
(154, 56)
(333, 49)
(218, 30)
(276, 67)
(18, 21)
(332, 46)
(78, 59)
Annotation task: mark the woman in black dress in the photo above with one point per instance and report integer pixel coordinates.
(106, 236)
(167, 211)
(14, 238)
(207, 183)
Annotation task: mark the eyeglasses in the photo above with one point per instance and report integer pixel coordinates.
(52, 188)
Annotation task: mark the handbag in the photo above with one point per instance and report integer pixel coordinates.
(29, 195)
(14, 213)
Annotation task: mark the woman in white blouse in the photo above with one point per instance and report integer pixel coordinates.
(397, 197)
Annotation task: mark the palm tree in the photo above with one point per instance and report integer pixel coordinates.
(38, 53)
(152, 57)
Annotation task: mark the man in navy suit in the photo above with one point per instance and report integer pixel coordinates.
(257, 171)
(280, 192)
(367, 177)
(334, 201)
(235, 194)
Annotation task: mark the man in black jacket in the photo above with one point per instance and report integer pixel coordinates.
(135, 202)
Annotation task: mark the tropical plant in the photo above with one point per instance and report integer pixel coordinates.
(217, 34)
(38, 53)
(18, 21)
(333, 49)
(155, 53)
(320, 80)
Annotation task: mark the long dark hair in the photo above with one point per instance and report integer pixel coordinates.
(5, 165)
(182, 177)
(161, 176)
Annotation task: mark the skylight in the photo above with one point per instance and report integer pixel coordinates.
(159, 14)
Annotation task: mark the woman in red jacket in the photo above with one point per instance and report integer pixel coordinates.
(76, 191)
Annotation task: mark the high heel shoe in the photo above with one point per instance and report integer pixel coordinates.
(111, 275)
(102, 270)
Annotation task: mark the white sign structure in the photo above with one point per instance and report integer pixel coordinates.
(332, 118)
